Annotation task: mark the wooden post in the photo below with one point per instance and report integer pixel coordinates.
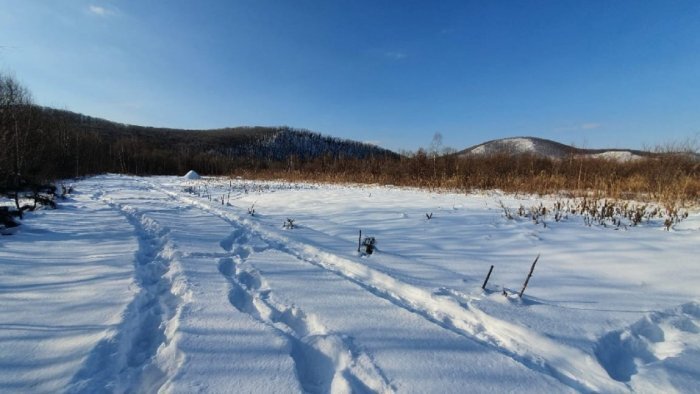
(528, 276)
(483, 287)
(359, 242)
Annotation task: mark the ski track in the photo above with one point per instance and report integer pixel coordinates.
(572, 367)
(149, 321)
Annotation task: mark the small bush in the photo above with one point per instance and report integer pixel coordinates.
(7, 219)
(369, 243)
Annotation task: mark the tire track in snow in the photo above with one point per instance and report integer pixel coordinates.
(325, 361)
(129, 361)
(572, 367)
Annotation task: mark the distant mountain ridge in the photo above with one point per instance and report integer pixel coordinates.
(282, 143)
(547, 148)
(80, 144)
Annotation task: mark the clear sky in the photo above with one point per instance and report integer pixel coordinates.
(594, 73)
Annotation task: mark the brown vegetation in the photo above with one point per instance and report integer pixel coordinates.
(667, 177)
(40, 145)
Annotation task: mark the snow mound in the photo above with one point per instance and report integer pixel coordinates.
(192, 174)
(644, 347)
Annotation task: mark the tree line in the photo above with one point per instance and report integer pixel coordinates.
(39, 145)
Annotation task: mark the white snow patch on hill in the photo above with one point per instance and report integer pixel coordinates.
(507, 145)
(616, 155)
(521, 144)
(479, 150)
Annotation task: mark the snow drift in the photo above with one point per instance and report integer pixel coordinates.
(192, 174)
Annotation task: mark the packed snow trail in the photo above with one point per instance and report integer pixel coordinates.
(414, 354)
(569, 365)
(592, 281)
(311, 345)
(206, 345)
(325, 361)
(185, 346)
(66, 278)
(127, 363)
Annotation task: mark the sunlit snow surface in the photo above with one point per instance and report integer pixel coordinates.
(155, 284)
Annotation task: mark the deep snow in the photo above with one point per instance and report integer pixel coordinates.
(164, 283)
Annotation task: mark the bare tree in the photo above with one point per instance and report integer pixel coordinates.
(435, 146)
(16, 115)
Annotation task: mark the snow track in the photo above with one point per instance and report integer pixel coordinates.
(569, 365)
(152, 345)
(127, 362)
(324, 361)
(160, 344)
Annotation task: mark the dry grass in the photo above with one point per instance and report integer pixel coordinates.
(672, 179)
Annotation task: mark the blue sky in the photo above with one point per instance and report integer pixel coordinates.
(593, 73)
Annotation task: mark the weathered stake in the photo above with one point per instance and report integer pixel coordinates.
(528, 276)
(483, 287)
(359, 242)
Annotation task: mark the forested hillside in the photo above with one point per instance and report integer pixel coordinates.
(40, 144)
(103, 146)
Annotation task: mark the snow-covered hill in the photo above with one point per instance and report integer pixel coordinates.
(166, 284)
(547, 148)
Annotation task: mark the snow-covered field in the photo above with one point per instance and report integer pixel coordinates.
(153, 284)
